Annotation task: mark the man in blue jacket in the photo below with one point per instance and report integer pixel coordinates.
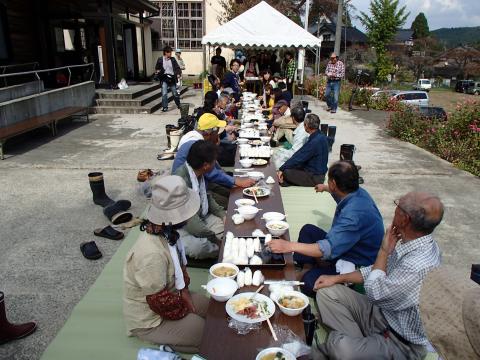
(308, 166)
(354, 238)
(219, 182)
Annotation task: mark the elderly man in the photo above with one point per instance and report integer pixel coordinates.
(335, 72)
(287, 124)
(354, 237)
(385, 323)
(308, 166)
(219, 183)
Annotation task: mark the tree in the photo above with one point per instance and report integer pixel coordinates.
(465, 58)
(381, 27)
(420, 27)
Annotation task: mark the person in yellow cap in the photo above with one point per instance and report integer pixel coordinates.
(219, 182)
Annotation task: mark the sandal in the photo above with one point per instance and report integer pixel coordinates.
(109, 233)
(90, 250)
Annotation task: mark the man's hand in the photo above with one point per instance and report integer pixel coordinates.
(390, 239)
(244, 183)
(185, 294)
(186, 277)
(321, 188)
(280, 246)
(280, 177)
(325, 281)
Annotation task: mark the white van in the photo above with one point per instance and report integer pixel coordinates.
(416, 98)
(423, 84)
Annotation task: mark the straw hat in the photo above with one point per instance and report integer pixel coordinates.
(450, 310)
(172, 201)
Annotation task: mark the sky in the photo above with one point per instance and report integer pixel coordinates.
(439, 13)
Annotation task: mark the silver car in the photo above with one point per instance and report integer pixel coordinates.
(415, 98)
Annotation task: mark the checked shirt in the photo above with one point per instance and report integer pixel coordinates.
(336, 70)
(397, 292)
(290, 71)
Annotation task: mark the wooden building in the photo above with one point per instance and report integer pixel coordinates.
(112, 34)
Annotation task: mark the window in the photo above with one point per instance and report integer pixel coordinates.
(189, 26)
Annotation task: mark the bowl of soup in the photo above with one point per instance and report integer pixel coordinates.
(292, 303)
(275, 353)
(277, 227)
(224, 270)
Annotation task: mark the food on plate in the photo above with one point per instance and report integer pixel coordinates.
(291, 302)
(255, 142)
(224, 271)
(260, 162)
(274, 356)
(258, 191)
(250, 308)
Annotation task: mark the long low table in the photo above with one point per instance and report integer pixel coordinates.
(219, 342)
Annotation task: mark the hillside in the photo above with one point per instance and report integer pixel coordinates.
(452, 37)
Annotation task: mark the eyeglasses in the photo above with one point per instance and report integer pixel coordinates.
(397, 203)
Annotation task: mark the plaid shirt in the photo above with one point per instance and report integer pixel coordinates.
(397, 292)
(335, 70)
(290, 71)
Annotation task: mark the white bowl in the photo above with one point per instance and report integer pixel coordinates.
(242, 141)
(247, 125)
(273, 350)
(292, 312)
(222, 289)
(248, 212)
(265, 139)
(244, 202)
(232, 266)
(277, 232)
(246, 163)
(255, 175)
(272, 215)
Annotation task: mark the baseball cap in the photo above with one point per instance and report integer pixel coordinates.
(209, 121)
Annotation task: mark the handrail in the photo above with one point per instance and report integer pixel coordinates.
(5, 67)
(36, 72)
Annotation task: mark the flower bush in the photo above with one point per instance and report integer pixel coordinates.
(456, 139)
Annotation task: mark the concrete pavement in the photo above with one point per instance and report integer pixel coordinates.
(47, 211)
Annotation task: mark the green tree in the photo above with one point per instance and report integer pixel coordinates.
(420, 27)
(386, 17)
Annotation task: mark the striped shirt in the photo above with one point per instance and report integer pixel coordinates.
(397, 292)
(336, 70)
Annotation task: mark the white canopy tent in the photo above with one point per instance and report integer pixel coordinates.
(262, 26)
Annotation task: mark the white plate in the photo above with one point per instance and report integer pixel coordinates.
(265, 190)
(260, 162)
(258, 298)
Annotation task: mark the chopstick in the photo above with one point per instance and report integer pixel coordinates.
(255, 196)
(270, 326)
(256, 292)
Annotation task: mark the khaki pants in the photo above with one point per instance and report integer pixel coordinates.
(184, 335)
(220, 193)
(288, 133)
(358, 329)
(202, 248)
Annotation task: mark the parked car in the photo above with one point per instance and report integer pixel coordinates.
(416, 98)
(475, 89)
(433, 112)
(463, 85)
(423, 84)
(387, 93)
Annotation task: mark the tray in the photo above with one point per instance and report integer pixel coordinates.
(275, 261)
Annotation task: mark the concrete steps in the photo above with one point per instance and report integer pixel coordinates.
(137, 99)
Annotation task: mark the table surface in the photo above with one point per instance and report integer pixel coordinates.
(219, 341)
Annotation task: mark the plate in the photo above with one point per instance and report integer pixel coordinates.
(248, 191)
(260, 162)
(256, 142)
(259, 298)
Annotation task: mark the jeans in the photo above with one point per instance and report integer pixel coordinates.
(310, 234)
(331, 94)
(173, 89)
(299, 177)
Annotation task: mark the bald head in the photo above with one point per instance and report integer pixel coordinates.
(425, 211)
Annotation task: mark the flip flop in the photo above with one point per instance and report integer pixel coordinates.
(90, 250)
(109, 233)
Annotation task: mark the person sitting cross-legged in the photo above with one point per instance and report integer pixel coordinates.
(308, 166)
(354, 237)
(384, 323)
(203, 232)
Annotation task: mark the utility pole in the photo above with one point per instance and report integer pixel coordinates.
(338, 30)
(175, 26)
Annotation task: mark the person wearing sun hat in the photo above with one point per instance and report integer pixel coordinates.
(219, 182)
(157, 305)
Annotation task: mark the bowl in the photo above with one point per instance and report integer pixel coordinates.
(246, 163)
(231, 266)
(248, 212)
(277, 232)
(289, 311)
(247, 125)
(242, 141)
(273, 350)
(255, 175)
(221, 289)
(272, 215)
(265, 139)
(244, 202)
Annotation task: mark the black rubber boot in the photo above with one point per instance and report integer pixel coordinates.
(346, 152)
(98, 189)
(9, 331)
(116, 212)
(324, 129)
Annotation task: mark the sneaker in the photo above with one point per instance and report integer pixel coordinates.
(329, 109)
(164, 109)
(333, 111)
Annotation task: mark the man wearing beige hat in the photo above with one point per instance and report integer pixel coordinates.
(157, 305)
(335, 72)
(384, 323)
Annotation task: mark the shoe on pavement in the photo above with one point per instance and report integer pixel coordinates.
(164, 109)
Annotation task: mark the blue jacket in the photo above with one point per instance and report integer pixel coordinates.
(231, 80)
(217, 175)
(357, 230)
(312, 156)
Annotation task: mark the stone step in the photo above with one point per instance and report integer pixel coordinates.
(139, 101)
(132, 92)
